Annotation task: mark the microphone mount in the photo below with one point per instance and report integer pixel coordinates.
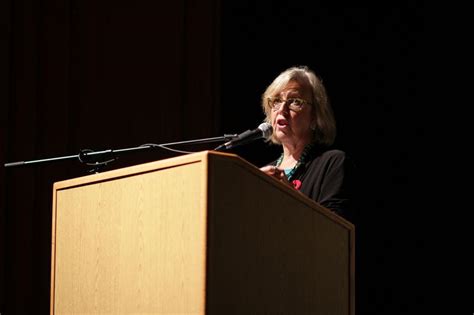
(99, 159)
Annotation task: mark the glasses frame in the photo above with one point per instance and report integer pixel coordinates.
(292, 106)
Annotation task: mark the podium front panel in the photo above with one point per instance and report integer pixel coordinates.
(132, 245)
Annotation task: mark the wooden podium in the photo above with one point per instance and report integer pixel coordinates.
(204, 233)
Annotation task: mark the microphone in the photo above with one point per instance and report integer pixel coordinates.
(264, 130)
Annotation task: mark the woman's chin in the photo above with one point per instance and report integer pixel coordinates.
(281, 135)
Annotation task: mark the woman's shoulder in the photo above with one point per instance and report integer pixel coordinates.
(331, 156)
(334, 153)
(331, 153)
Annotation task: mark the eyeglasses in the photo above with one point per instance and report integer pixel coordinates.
(294, 104)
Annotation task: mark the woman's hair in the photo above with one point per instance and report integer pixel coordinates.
(324, 128)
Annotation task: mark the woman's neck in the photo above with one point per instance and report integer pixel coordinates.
(292, 153)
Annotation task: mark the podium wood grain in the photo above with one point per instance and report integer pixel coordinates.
(205, 233)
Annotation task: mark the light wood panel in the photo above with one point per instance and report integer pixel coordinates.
(205, 233)
(273, 249)
(131, 245)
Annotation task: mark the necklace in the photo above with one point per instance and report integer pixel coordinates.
(302, 160)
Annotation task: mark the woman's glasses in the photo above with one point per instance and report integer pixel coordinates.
(294, 103)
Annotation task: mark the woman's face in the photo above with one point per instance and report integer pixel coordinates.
(290, 126)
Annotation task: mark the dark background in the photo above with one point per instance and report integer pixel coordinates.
(116, 74)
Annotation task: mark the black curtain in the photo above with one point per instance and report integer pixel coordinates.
(84, 74)
(92, 75)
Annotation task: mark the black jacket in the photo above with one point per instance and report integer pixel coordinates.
(328, 178)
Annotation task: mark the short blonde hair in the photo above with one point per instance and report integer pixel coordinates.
(324, 128)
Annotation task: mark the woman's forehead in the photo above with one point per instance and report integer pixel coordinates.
(294, 86)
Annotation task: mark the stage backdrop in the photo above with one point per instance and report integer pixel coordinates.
(92, 75)
(87, 74)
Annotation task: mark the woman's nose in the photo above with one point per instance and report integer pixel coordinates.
(284, 108)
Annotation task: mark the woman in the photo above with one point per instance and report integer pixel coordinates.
(297, 107)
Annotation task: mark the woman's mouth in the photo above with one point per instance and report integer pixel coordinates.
(281, 123)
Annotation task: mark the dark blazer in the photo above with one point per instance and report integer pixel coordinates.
(328, 178)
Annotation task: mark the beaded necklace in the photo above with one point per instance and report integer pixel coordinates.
(302, 160)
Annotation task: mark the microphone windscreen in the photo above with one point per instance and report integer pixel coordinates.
(266, 129)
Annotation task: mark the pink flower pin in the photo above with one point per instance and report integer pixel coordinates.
(296, 184)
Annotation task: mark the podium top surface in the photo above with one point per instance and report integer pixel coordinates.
(198, 157)
(141, 168)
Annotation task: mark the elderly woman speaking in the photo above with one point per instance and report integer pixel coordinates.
(297, 106)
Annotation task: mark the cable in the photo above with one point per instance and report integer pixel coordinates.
(154, 145)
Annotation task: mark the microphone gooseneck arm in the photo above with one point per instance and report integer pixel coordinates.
(102, 158)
